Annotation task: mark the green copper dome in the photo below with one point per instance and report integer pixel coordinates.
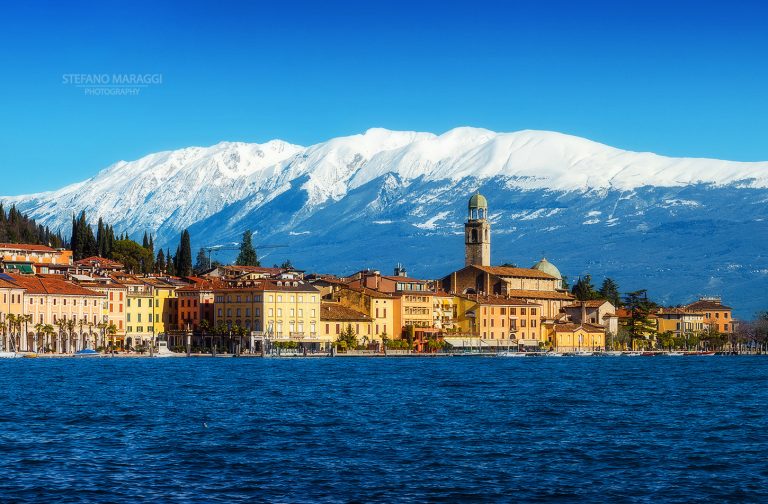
(478, 201)
(547, 267)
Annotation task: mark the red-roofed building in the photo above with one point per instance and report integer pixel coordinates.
(29, 258)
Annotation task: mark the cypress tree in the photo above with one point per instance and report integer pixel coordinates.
(169, 260)
(185, 259)
(160, 262)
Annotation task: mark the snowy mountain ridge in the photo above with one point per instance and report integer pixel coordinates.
(589, 206)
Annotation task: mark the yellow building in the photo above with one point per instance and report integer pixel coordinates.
(498, 320)
(139, 310)
(379, 306)
(444, 311)
(165, 308)
(335, 318)
(680, 322)
(73, 311)
(575, 337)
(279, 310)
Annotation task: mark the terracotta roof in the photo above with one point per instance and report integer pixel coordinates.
(98, 262)
(525, 294)
(404, 279)
(506, 271)
(624, 313)
(369, 292)
(26, 246)
(265, 284)
(337, 312)
(705, 304)
(50, 285)
(592, 303)
(252, 269)
(202, 286)
(497, 300)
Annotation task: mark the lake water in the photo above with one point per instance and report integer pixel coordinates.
(663, 429)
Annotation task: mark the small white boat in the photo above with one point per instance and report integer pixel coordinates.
(511, 354)
(10, 355)
(633, 354)
(613, 353)
(584, 354)
(553, 354)
(675, 354)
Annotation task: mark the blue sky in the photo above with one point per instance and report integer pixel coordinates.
(678, 78)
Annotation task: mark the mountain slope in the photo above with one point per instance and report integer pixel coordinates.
(678, 226)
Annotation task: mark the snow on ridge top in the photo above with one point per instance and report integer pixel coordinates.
(534, 159)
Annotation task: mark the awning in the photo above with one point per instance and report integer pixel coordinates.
(22, 268)
(458, 342)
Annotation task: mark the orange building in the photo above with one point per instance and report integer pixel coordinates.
(29, 259)
(196, 303)
(716, 314)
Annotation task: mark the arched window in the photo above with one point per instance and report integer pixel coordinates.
(474, 236)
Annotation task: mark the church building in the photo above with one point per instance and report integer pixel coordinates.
(541, 284)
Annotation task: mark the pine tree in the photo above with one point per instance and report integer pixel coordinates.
(610, 290)
(201, 262)
(583, 289)
(247, 255)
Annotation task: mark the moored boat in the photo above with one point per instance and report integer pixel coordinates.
(10, 355)
(511, 354)
(87, 352)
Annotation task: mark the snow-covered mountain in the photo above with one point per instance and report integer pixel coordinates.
(679, 226)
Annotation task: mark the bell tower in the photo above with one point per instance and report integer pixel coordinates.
(477, 233)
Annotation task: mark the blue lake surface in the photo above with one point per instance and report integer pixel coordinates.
(663, 429)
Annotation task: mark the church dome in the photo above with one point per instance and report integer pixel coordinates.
(478, 201)
(547, 267)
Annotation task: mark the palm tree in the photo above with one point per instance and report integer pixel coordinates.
(102, 326)
(61, 324)
(38, 333)
(14, 323)
(4, 331)
(48, 332)
(71, 324)
(112, 331)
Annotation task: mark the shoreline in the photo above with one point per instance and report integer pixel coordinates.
(389, 355)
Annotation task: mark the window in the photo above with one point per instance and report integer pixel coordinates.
(128, 317)
(292, 299)
(128, 303)
(293, 312)
(337, 328)
(279, 299)
(522, 323)
(279, 312)
(301, 299)
(271, 312)
(312, 312)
